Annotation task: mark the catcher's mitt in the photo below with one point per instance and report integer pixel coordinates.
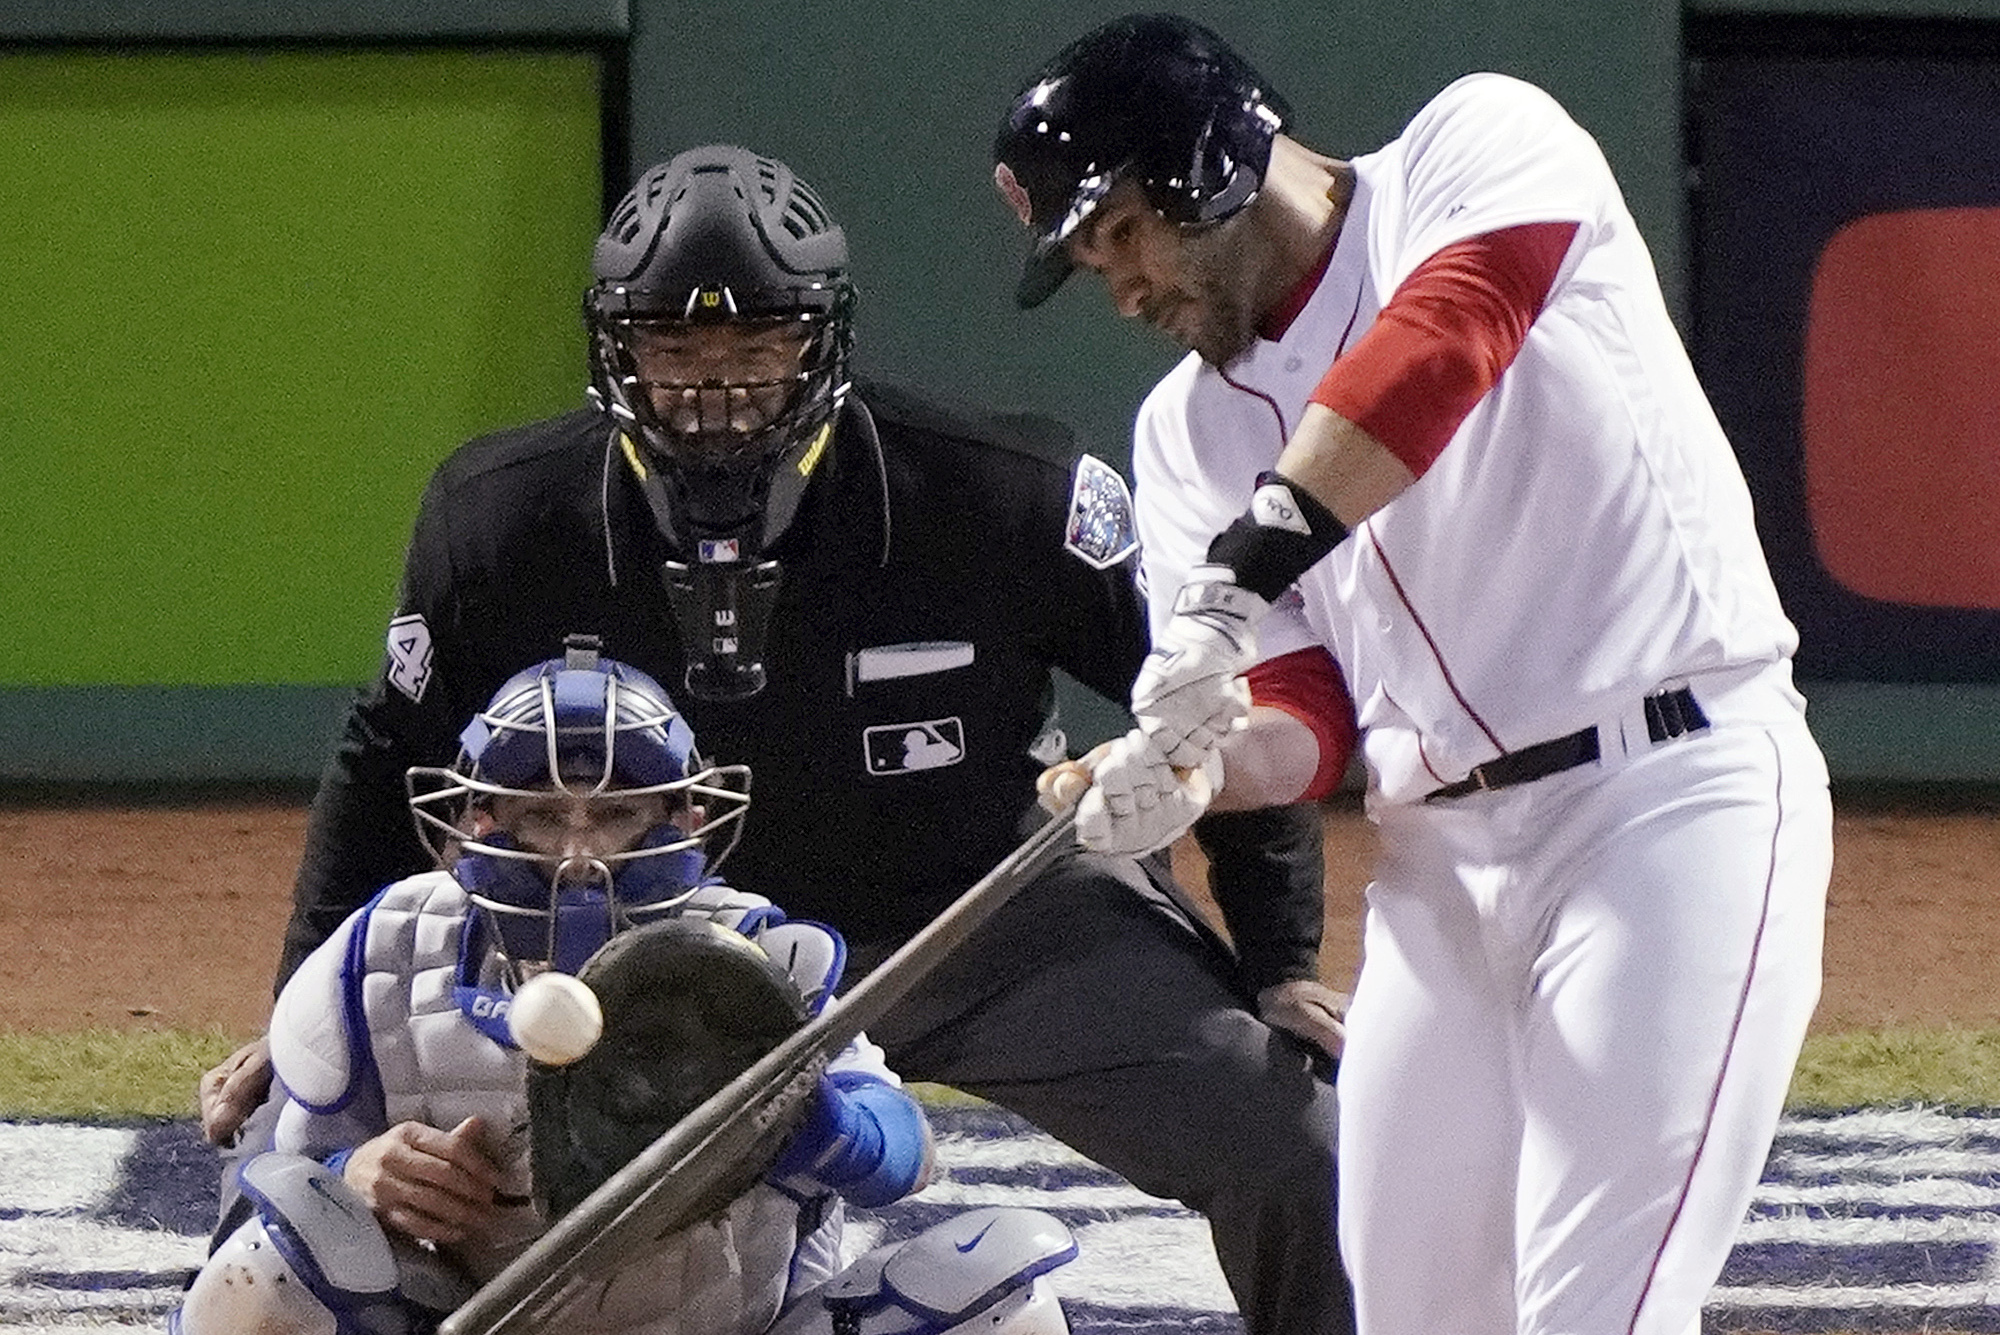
(689, 1005)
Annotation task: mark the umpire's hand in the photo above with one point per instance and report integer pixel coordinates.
(1308, 1009)
(231, 1091)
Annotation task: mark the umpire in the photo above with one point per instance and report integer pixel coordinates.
(861, 594)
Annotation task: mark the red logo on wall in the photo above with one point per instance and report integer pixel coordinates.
(1902, 407)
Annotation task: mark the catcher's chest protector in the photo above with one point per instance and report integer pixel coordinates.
(435, 1066)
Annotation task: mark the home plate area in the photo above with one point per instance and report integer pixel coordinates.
(1876, 1220)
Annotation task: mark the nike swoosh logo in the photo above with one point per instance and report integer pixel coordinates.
(968, 1246)
(320, 1189)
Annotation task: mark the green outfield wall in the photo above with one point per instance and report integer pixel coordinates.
(268, 263)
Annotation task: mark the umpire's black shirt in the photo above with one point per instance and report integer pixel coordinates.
(876, 801)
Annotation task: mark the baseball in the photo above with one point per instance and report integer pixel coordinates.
(555, 1018)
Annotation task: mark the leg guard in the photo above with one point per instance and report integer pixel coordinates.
(311, 1261)
(981, 1271)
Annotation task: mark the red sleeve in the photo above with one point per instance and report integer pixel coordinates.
(1307, 685)
(1446, 335)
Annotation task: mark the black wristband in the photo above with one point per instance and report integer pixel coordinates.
(1282, 535)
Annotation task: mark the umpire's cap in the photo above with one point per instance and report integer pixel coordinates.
(1154, 97)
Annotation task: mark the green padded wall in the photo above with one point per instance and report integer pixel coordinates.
(249, 306)
(252, 300)
(253, 296)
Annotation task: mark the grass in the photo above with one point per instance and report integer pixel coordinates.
(1952, 1068)
(105, 1075)
(111, 1076)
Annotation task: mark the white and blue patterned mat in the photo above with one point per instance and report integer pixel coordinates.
(1865, 1221)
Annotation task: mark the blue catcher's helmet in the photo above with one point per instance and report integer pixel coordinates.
(590, 728)
(1153, 98)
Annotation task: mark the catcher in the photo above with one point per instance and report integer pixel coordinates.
(419, 1150)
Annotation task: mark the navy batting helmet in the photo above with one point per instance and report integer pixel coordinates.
(1153, 98)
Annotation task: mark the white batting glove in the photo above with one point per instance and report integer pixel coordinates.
(1190, 694)
(1137, 801)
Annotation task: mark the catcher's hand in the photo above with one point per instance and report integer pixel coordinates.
(439, 1186)
(1190, 693)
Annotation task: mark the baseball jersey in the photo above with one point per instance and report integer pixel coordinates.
(1586, 535)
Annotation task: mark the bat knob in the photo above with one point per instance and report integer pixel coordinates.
(1062, 786)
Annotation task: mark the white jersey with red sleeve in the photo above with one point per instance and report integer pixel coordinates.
(1584, 538)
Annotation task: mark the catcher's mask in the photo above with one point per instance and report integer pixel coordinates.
(1153, 98)
(721, 322)
(601, 732)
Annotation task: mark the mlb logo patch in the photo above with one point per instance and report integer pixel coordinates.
(717, 551)
(410, 656)
(905, 748)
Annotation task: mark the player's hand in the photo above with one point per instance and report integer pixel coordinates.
(1137, 802)
(1308, 1009)
(230, 1091)
(439, 1186)
(1190, 693)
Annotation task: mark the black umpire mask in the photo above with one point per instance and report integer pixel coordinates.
(721, 323)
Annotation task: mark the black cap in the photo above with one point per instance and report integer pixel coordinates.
(1154, 98)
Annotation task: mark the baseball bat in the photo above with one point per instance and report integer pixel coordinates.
(670, 1184)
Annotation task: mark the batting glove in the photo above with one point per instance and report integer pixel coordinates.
(1138, 802)
(1190, 693)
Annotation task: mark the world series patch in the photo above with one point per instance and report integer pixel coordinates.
(1101, 530)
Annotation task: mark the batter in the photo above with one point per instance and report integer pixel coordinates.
(1439, 476)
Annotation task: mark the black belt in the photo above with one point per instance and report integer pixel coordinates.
(1668, 714)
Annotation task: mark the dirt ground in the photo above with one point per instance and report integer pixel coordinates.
(169, 916)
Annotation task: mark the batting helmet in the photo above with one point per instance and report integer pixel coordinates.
(720, 235)
(592, 728)
(1152, 98)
